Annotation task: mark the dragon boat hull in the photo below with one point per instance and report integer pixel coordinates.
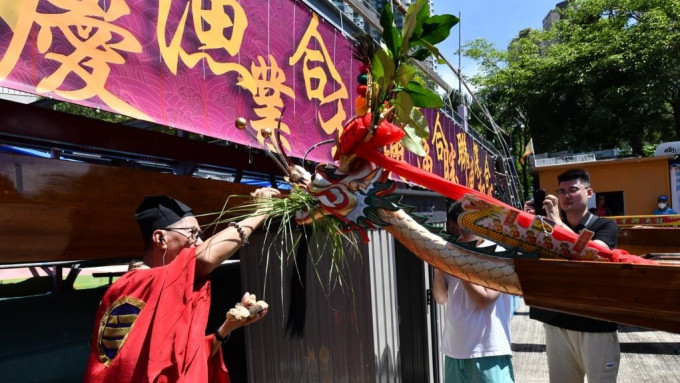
(635, 294)
(638, 294)
(660, 240)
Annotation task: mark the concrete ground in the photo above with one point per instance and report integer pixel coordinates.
(647, 356)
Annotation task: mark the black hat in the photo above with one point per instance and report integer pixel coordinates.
(663, 198)
(158, 212)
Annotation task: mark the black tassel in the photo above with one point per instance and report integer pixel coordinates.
(297, 308)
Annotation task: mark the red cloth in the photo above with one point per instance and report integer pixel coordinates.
(356, 130)
(456, 192)
(166, 341)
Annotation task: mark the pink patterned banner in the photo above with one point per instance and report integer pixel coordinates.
(198, 65)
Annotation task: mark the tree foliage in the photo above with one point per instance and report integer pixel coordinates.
(605, 76)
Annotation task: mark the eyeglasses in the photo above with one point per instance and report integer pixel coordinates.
(571, 191)
(194, 233)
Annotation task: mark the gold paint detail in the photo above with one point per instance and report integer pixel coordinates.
(109, 328)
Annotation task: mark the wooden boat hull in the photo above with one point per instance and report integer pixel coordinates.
(634, 294)
(649, 240)
(56, 211)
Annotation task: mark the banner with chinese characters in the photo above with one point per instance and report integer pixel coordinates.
(198, 65)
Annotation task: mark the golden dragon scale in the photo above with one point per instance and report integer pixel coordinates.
(486, 270)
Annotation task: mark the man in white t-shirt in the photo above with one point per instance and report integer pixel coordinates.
(476, 338)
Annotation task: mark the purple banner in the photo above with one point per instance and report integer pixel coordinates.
(199, 65)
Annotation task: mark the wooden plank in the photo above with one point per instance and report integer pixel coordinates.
(639, 295)
(58, 210)
(646, 240)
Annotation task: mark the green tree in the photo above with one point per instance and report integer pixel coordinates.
(622, 58)
(604, 76)
(503, 88)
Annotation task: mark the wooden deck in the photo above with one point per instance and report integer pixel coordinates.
(646, 355)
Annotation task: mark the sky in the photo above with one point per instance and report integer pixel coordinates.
(497, 21)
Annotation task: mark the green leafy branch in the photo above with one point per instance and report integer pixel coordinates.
(397, 81)
(328, 236)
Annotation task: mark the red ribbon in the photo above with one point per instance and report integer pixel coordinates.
(456, 192)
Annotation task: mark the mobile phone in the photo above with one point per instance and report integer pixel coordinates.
(539, 197)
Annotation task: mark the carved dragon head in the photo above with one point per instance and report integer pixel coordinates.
(350, 190)
(350, 196)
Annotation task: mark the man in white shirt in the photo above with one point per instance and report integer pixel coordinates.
(476, 338)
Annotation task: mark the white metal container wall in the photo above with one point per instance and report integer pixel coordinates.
(383, 307)
(435, 332)
(439, 317)
(385, 310)
(438, 332)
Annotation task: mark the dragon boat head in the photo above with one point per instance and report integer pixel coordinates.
(349, 195)
(352, 188)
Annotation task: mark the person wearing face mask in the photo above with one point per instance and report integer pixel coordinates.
(662, 206)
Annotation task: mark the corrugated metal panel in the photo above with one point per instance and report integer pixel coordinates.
(383, 307)
(430, 329)
(338, 340)
(438, 331)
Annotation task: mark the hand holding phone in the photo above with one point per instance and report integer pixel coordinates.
(539, 197)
